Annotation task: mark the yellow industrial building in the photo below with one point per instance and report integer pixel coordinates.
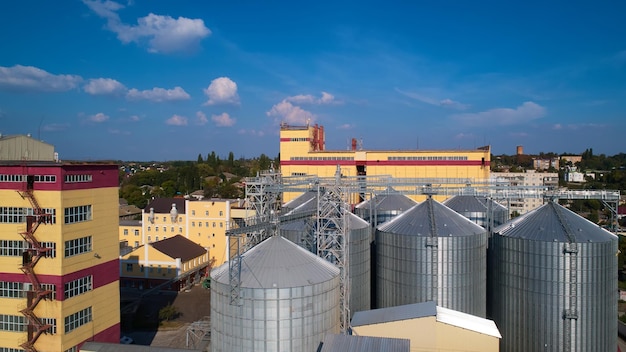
(59, 254)
(429, 328)
(303, 152)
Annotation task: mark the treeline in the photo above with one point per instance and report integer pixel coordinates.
(215, 177)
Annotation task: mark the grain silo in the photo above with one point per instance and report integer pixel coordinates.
(554, 281)
(432, 253)
(383, 207)
(298, 201)
(302, 233)
(288, 300)
(481, 210)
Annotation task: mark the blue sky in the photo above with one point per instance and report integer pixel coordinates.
(167, 80)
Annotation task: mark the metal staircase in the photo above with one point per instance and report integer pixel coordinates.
(30, 258)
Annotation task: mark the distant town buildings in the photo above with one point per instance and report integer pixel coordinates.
(531, 180)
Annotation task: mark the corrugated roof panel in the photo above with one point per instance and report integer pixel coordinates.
(301, 199)
(417, 221)
(279, 263)
(467, 203)
(549, 223)
(352, 343)
(397, 313)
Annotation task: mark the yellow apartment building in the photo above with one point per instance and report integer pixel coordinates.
(59, 254)
(303, 152)
(175, 261)
(430, 328)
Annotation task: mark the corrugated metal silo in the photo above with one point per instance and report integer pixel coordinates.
(554, 281)
(432, 253)
(302, 233)
(289, 300)
(477, 209)
(299, 200)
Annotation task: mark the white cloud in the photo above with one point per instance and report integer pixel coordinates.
(104, 86)
(526, 112)
(345, 126)
(222, 90)
(99, 117)
(29, 78)
(56, 127)
(116, 131)
(286, 112)
(164, 34)
(326, 98)
(446, 103)
(223, 120)
(158, 94)
(251, 132)
(134, 118)
(177, 120)
(201, 118)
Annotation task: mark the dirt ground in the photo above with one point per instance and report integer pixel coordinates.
(193, 306)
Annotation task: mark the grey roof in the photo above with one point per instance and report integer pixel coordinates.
(389, 200)
(279, 263)
(467, 203)
(397, 313)
(301, 199)
(91, 346)
(417, 222)
(352, 343)
(130, 223)
(549, 223)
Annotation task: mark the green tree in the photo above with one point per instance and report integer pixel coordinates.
(168, 312)
(200, 160)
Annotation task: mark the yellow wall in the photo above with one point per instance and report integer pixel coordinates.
(427, 334)
(162, 222)
(155, 259)
(130, 235)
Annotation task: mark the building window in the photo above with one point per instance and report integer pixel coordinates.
(77, 319)
(180, 219)
(206, 213)
(149, 238)
(156, 229)
(157, 238)
(214, 224)
(172, 229)
(136, 232)
(180, 229)
(141, 268)
(13, 322)
(136, 244)
(159, 269)
(72, 349)
(213, 235)
(221, 224)
(193, 212)
(77, 246)
(77, 178)
(165, 219)
(129, 267)
(221, 213)
(77, 214)
(10, 289)
(125, 232)
(207, 224)
(78, 286)
(15, 215)
(193, 224)
(148, 228)
(199, 224)
(164, 228)
(12, 248)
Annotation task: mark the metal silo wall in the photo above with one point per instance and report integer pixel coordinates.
(360, 269)
(405, 276)
(296, 234)
(529, 298)
(279, 319)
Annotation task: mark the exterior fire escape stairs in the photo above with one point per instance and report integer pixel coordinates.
(30, 258)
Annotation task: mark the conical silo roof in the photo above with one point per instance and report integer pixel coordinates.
(355, 222)
(431, 216)
(389, 200)
(467, 203)
(279, 263)
(301, 199)
(554, 223)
